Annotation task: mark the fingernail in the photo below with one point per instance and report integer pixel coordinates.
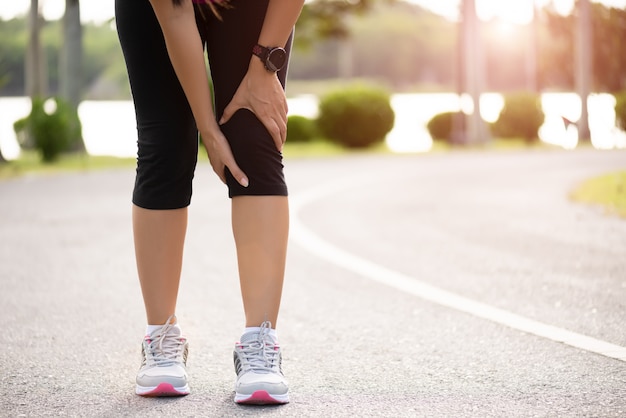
(244, 182)
(221, 122)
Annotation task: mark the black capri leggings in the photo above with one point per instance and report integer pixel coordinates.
(167, 135)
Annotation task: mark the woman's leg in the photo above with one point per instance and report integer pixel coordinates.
(167, 150)
(260, 227)
(159, 239)
(260, 215)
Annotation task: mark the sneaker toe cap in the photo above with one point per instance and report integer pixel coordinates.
(271, 383)
(157, 375)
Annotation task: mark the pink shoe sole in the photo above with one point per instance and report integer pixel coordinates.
(164, 389)
(261, 397)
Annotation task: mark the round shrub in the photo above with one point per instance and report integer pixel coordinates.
(51, 133)
(300, 129)
(357, 116)
(620, 110)
(441, 125)
(521, 117)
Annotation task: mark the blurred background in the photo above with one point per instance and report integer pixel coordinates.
(451, 73)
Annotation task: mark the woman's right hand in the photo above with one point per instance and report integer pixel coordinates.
(221, 156)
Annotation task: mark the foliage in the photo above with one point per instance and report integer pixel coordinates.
(51, 133)
(357, 116)
(417, 46)
(300, 129)
(417, 56)
(558, 43)
(102, 64)
(324, 19)
(399, 43)
(620, 110)
(521, 117)
(440, 126)
(608, 190)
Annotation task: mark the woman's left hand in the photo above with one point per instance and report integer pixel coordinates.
(260, 92)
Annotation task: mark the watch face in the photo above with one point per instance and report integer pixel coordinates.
(276, 59)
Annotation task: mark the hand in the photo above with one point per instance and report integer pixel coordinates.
(260, 92)
(221, 156)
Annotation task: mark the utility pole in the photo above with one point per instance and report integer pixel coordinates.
(584, 69)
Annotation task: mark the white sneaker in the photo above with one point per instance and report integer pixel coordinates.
(163, 366)
(260, 379)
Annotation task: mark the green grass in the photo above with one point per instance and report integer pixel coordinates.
(321, 87)
(324, 148)
(29, 162)
(608, 191)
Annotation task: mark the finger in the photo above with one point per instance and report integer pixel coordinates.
(228, 112)
(285, 119)
(220, 174)
(274, 131)
(218, 169)
(283, 134)
(285, 112)
(237, 172)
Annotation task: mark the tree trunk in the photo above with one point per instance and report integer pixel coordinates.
(70, 63)
(476, 131)
(36, 74)
(584, 67)
(70, 71)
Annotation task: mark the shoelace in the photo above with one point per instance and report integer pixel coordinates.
(261, 355)
(164, 349)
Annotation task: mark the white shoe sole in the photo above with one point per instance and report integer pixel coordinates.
(261, 397)
(163, 389)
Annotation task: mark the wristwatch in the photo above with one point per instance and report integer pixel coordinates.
(274, 58)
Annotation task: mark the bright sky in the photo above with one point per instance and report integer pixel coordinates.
(518, 11)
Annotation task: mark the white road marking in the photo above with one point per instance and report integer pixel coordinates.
(331, 253)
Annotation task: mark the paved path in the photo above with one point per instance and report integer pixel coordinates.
(389, 255)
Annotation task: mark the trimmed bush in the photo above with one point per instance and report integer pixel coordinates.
(441, 125)
(357, 116)
(521, 117)
(620, 110)
(300, 129)
(50, 133)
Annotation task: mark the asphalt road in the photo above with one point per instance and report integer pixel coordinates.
(422, 285)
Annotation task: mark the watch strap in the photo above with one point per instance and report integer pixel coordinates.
(261, 51)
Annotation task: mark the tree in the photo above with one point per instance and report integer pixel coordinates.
(608, 55)
(70, 71)
(326, 19)
(35, 64)
(70, 63)
(609, 49)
